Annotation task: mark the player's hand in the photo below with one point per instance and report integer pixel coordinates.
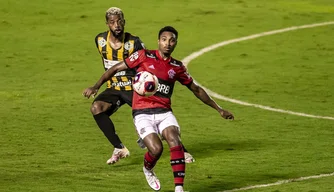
(90, 91)
(226, 114)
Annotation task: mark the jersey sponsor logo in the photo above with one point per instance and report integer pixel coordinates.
(134, 56)
(171, 73)
(102, 42)
(121, 73)
(162, 88)
(122, 83)
(109, 63)
(128, 45)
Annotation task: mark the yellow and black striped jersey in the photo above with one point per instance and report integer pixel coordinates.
(122, 80)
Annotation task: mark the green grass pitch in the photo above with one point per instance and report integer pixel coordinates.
(50, 142)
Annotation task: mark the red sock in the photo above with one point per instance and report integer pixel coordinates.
(178, 164)
(149, 161)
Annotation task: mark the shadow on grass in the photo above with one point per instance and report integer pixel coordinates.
(207, 148)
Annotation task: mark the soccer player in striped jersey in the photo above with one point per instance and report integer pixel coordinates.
(153, 115)
(114, 46)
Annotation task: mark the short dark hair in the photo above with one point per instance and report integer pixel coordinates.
(169, 29)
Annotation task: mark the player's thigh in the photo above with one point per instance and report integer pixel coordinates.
(108, 96)
(145, 125)
(169, 129)
(126, 97)
(153, 143)
(167, 120)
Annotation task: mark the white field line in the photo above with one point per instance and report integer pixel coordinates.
(196, 54)
(280, 182)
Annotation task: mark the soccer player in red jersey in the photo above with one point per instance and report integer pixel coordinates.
(114, 46)
(153, 115)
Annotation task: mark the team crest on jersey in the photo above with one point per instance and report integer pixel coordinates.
(128, 45)
(171, 73)
(102, 42)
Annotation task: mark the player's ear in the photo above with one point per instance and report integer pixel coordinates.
(124, 22)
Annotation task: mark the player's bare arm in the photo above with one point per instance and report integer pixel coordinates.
(92, 91)
(201, 94)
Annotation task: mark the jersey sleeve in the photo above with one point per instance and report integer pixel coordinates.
(100, 42)
(96, 43)
(184, 77)
(135, 58)
(139, 45)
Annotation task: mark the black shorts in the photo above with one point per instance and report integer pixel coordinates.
(115, 98)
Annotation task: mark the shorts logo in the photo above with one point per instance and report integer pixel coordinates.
(142, 131)
(171, 73)
(102, 42)
(128, 45)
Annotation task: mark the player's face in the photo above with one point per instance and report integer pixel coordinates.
(116, 25)
(167, 42)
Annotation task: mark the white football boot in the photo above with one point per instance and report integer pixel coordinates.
(152, 179)
(179, 189)
(118, 154)
(188, 158)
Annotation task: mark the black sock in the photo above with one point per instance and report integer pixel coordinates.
(108, 128)
(184, 149)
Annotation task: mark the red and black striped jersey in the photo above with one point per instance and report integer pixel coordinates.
(167, 71)
(122, 80)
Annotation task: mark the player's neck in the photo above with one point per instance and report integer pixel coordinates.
(115, 42)
(163, 55)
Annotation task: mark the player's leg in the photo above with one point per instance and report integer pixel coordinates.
(171, 133)
(187, 156)
(146, 129)
(104, 105)
(127, 98)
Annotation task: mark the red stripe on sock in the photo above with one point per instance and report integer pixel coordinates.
(178, 153)
(149, 161)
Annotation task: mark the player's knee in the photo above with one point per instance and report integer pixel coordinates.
(173, 141)
(156, 150)
(96, 108)
(172, 136)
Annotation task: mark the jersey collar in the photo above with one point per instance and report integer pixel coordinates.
(160, 58)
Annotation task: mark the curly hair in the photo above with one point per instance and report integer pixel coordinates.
(114, 11)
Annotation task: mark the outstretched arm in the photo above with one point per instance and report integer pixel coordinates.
(201, 94)
(92, 91)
